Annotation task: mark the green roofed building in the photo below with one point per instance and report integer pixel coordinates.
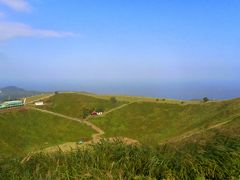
(9, 104)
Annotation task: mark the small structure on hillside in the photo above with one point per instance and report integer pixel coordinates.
(99, 113)
(39, 103)
(10, 104)
(95, 113)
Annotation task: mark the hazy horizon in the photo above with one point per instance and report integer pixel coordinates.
(176, 49)
(175, 90)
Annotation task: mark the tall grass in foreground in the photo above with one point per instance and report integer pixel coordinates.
(219, 159)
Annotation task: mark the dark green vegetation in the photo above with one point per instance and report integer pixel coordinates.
(152, 123)
(214, 154)
(78, 105)
(12, 92)
(113, 100)
(28, 130)
(205, 99)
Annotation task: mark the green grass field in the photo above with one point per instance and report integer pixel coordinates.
(152, 123)
(209, 154)
(78, 105)
(24, 131)
(214, 154)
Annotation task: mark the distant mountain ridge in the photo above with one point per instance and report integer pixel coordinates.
(13, 92)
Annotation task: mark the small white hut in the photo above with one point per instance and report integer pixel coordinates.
(39, 103)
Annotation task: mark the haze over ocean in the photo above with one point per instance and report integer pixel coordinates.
(176, 49)
(175, 90)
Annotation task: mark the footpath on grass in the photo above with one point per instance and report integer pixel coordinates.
(119, 107)
(96, 137)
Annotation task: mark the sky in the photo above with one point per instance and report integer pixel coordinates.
(180, 49)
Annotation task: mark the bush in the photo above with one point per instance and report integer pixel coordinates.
(99, 109)
(113, 100)
(205, 99)
(87, 112)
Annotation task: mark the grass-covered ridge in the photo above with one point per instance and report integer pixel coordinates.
(152, 123)
(25, 131)
(78, 105)
(214, 154)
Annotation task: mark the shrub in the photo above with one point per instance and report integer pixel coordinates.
(205, 99)
(87, 112)
(113, 100)
(99, 109)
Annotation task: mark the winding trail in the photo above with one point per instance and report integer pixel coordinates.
(96, 137)
(119, 107)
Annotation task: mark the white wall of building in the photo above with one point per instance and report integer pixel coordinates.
(39, 103)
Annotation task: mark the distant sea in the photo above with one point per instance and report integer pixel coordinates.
(177, 90)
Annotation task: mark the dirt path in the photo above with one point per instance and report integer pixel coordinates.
(96, 136)
(198, 131)
(57, 114)
(119, 107)
(69, 146)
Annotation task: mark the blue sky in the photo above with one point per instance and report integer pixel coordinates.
(122, 41)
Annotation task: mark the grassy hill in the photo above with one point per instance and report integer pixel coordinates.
(78, 105)
(152, 123)
(24, 131)
(214, 154)
(190, 140)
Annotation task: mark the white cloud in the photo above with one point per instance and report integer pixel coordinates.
(9, 30)
(17, 5)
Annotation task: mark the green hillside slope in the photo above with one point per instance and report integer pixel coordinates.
(214, 154)
(24, 131)
(77, 105)
(152, 123)
(211, 151)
